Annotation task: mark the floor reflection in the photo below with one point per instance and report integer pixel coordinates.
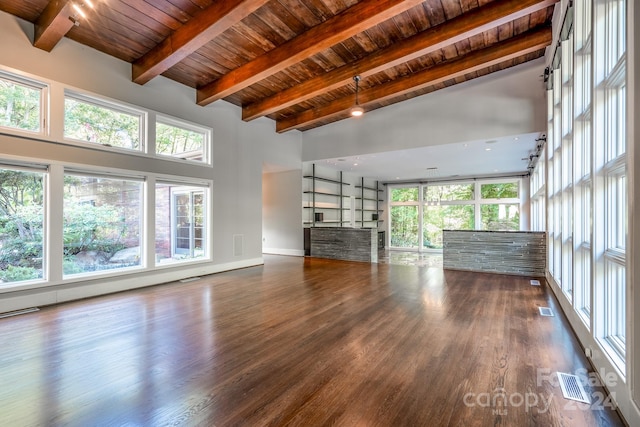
(420, 259)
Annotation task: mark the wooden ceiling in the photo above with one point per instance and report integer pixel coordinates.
(294, 60)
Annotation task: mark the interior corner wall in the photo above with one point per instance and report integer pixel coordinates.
(281, 213)
(506, 103)
(239, 148)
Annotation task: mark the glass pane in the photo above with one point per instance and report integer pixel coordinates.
(438, 218)
(180, 223)
(94, 123)
(21, 226)
(404, 227)
(19, 106)
(500, 217)
(448, 192)
(102, 224)
(178, 142)
(409, 194)
(502, 190)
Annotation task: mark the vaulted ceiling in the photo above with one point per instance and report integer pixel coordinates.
(294, 60)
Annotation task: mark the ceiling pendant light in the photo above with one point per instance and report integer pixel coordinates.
(357, 110)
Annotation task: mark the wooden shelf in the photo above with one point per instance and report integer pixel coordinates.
(367, 198)
(324, 193)
(333, 181)
(369, 210)
(319, 207)
(369, 188)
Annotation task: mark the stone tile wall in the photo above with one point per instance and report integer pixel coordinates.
(520, 253)
(352, 244)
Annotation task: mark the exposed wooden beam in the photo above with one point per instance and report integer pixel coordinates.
(198, 31)
(350, 22)
(52, 24)
(453, 31)
(516, 46)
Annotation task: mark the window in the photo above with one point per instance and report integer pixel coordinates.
(21, 224)
(404, 227)
(182, 141)
(100, 122)
(102, 227)
(181, 222)
(21, 103)
(502, 216)
(445, 217)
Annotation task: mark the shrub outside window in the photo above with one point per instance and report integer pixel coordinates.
(102, 223)
(21, 225)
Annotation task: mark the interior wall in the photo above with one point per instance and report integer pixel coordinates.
(506, 103)
(239, 148)
(281, 213)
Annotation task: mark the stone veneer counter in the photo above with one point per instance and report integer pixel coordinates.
(522, 253)
(351, 244)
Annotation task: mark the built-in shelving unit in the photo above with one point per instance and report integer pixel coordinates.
(368, 203)
(325, 196)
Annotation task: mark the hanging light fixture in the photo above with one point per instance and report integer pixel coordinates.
(357, 110)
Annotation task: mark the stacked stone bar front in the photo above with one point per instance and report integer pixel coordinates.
(520, 253)
(351, 244)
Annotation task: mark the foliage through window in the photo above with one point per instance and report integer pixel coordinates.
(102, 223)
(180, 142)
(90, 121)
(21, 225)
(508, 190)
(20, 105)
(409, 194)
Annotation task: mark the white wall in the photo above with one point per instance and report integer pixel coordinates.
(281, 214)
(239, 151)
(506, 103)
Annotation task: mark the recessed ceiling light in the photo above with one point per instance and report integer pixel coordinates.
(487, 149)
(355, 164)
(516, 138)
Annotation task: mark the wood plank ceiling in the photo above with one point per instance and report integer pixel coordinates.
(294, 60)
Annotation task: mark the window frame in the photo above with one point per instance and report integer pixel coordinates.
(109, 104)
(207, 148)
(44, 89)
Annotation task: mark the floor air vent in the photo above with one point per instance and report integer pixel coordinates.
(18, 312)
(535, 283)
(572, 388)
(545, 311)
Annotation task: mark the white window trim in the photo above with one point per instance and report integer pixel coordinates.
(207, 151)
(113, 105)
(44, 89)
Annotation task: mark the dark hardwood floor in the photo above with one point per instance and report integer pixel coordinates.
(299, 342)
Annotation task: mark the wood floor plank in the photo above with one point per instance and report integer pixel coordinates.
(298, 342)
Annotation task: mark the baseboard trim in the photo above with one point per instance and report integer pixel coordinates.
(278, 251)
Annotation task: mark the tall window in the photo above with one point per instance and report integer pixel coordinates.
(102, 223)
(100, 122)
(405, 226)
(446, 207)
(587, 170)
(500, 208)
(21, 224)
(21, 103)
(610, 103)
(181, 222)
